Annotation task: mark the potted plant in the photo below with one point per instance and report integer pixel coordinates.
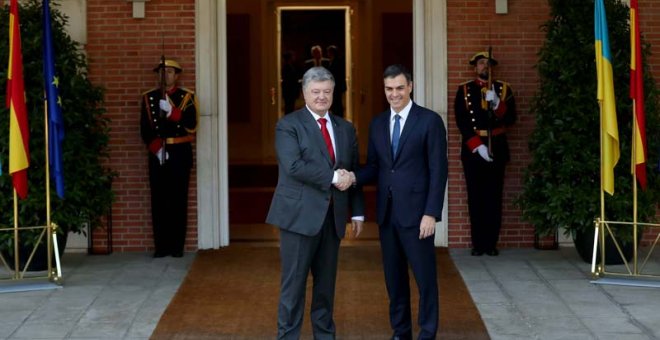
(88, 193)
(562, 182)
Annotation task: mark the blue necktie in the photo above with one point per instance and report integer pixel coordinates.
(396, 133)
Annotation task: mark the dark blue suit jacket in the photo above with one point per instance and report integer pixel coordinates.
(416, 179)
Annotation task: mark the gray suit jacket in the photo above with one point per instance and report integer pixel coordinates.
(304, 190)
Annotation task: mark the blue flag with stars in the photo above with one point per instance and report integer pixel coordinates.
(55, 120)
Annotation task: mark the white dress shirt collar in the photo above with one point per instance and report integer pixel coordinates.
(328, 124)
(404, 116)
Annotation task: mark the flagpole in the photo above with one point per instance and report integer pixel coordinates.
(16, 253)
(602, 192)
(634, 184)
(49, 228)
(599, 230)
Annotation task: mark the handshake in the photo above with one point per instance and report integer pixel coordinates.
(345, 179)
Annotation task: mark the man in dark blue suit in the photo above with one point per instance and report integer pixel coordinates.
(407, 155)
(312, 200)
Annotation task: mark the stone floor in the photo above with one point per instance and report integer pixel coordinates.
(521, 294)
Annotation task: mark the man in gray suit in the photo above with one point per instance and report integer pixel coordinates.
(311, 204)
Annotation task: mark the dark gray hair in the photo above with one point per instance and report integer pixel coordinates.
(318, 73)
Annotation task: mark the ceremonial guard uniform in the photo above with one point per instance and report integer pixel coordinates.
(484, 178)
(169, 167)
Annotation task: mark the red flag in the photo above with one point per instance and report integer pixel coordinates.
(19, 133)
(637, 95)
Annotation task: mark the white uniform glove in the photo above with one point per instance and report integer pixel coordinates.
(483, 152)
(493, 98)
(166, 106)
(160, 155)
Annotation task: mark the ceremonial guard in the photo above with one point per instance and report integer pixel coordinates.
(168, 123)
(484, 109)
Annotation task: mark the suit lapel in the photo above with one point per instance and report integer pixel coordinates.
(340, 143)
(408, 128)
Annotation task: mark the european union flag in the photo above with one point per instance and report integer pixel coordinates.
(55, 120)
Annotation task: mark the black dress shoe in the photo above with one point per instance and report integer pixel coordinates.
(476, 252)
(159, 254)
(493, 252)
(177, 254)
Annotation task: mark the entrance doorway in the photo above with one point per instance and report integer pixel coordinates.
(265, 36)
(314, 36)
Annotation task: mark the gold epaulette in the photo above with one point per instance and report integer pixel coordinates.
(503, 83)
(187, 90)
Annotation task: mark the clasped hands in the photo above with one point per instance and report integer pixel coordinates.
(345, 179)
(166, 106)
(493, 98)
(162, 153)
(483, 152)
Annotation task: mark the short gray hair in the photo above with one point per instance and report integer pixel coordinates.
(317, 73)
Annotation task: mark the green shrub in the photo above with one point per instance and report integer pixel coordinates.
(562, 183)
(88, 194)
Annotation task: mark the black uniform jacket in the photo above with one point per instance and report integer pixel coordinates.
(473, 119)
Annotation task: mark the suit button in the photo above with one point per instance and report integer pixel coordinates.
(392, 171)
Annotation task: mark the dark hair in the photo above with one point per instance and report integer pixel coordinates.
(393, 71)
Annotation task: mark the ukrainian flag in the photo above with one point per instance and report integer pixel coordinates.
(609, 149)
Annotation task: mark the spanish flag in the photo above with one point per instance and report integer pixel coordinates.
(609, 130)
(19, 132)
(637, 95)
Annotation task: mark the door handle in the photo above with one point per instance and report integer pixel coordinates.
(272, 96)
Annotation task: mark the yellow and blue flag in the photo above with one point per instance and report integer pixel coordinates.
(610, 131)
(54, 102)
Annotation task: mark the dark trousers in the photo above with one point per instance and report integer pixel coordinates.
(485, 182)
(169, 202)
(401, 246)
(298, 255)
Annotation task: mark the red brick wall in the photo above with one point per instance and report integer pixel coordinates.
(122, 52)
(516, 38)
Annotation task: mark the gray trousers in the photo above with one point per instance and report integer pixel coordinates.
(298, 255)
